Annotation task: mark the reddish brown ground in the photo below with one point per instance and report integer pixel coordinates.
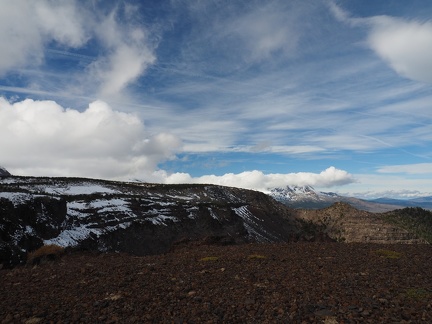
(280, 283)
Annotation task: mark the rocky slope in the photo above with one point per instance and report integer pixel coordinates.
(345, 223)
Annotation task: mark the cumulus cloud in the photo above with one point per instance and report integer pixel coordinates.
(405, 45)
(257, 180)
(43, 138)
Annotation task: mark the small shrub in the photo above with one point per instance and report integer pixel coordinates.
(209, 258)
(417, 293)
(256, 256)
(388, 254)
(45, 253)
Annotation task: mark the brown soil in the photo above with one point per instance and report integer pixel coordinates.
(256, 283)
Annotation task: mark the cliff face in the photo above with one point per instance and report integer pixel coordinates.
(23, 227)
(343, 222)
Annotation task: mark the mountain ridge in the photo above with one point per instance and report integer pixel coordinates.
(145, 218)
(307, 197)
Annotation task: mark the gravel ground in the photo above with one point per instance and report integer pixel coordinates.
(255, 283)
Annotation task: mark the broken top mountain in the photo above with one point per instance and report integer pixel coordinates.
(142, 218)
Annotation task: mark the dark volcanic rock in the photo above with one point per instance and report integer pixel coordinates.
(249, 283)
(142, 218)
(136, 218)
(24, 227)
(4, 172)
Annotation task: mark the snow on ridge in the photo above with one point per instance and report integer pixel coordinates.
(160, 219)
(78, 208)
(19, 198)
(251, 225)
(72, 237)
(74, 190)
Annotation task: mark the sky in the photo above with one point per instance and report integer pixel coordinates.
(255, 94)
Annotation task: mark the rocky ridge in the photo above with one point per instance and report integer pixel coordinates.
(143, 218)
(344, 223)
(138, 218)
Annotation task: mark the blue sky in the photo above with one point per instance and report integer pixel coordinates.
(333, 94)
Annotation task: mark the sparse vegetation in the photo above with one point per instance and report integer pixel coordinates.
(389, 254)
(418, 293)
(414, 219)
(45, 253)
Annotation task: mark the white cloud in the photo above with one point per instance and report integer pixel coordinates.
(264, 30)
(43, 138)
(418, 168)
(405, 45)
(128, 53)
(257, 180)
(61, 20)
(27, 28)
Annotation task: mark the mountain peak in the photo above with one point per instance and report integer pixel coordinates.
(290, 192)
(4, 172)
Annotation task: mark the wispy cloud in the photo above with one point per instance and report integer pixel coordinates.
(417, 168)
(124, 50)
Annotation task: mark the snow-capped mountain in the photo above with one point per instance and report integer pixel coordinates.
(304, 196)
(308, 198)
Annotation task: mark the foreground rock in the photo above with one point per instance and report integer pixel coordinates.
(253, 283)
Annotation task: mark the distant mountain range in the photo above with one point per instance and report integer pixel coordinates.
(306, 197)
(423, 202)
